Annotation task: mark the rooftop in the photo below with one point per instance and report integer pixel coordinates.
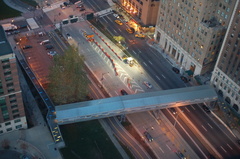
(5, 47)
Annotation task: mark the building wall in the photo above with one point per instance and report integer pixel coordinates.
(226, 75)
(12, 114)
(192, 31)
(145, 10)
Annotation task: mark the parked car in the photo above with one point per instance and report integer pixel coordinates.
(147, 84)
(49, 47)
(173, 110)
(118, 22)
(52, 53)
(148, 136)
(82, 9)
(176, 70)
(66, 4)
(123, 92)
(62, 6)
(27, 46)
(68, 36)
(184, 79)
(206, 109)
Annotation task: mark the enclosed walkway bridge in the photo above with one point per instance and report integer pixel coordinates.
(107, 107)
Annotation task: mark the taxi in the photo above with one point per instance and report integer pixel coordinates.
(140, 36)
(118, 22)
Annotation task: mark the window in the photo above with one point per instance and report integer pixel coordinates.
(15, 111)
(9, 84)
(6, 66)
(13, 101)
(7, 123)
(5, 60)
(18, 126)
(17, 120)
(14, 106)
(16, 116)
(8, 78)
(11, 90)
(7, 73)
(9, 129)
(12, 95)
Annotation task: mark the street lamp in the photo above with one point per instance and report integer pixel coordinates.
(177, 118)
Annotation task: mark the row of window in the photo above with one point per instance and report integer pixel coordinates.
(10, 129)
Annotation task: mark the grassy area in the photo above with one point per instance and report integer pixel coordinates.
(7, 12)
(87, 140)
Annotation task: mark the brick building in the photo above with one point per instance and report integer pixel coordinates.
(12, 114)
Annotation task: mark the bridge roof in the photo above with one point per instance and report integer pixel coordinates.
(136, 102)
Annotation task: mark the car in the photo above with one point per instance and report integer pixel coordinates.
(176, 70)
(52, 53)
(71, 16)
(147, 84)
(62, 6)
(49, 47)
(184, 79)
(66, 4)
(68, 36)
(115, 15)
(79, 6)
(123, 92)
(118, 22)
(27, 46)
(130, 30)
(140, 36)
(206, 109)
(148, 136)
(173, 110)
(82, 9)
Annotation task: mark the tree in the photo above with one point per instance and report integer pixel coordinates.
(68, 80)
(119, 38)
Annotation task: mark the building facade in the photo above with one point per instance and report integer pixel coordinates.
(192, 31)
(226, 74)
(145, 10)
(12, 114)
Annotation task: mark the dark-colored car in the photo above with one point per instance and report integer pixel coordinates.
(123, 92)
(66, 4)
(173, 111)
(175, 70)
(184, 79)
(27, 46)
(238, 141)
(48, 47)
(82, 9)
(206, 109)
(148, 136)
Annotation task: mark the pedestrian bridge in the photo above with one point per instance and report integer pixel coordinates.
(107, 107)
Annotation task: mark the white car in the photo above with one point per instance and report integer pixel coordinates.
(147, 84)
(52, 53)
(69, 36)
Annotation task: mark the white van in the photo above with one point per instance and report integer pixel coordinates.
(44, 42)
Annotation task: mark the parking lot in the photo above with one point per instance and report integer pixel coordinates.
(37, 55)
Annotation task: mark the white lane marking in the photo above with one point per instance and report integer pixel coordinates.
(144, 63)
(105, 19)
(229, 146)
(161, 149)
(150, 62)
(204, 128)
(120, 30)
(193, 107)
(210, 125)
(187, 109)
(158, 78)
(114, 30)
(168, 147)
(134, 52)
(116, 92)
(93, 63)
(223, 149)
(163, 76)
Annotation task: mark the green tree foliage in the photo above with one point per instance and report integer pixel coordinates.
(68, 80)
